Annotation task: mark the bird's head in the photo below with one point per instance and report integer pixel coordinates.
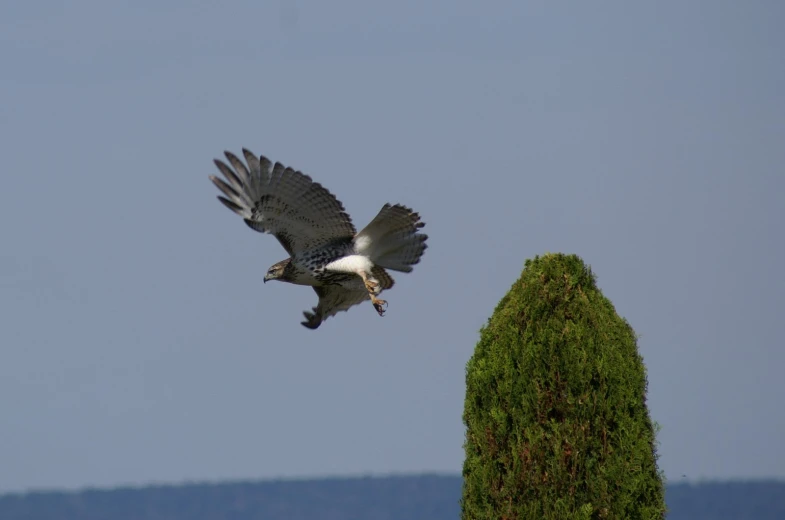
(278, 271)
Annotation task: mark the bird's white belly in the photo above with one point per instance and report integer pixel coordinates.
(351, 264)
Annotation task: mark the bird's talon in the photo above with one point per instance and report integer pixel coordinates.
(380, 305)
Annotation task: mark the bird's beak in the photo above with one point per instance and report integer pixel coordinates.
(265, 279)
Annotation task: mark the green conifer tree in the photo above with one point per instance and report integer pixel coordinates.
(555, 411)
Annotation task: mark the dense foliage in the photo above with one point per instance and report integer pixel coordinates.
(555, 410)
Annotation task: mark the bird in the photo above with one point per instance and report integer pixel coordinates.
(344, 267)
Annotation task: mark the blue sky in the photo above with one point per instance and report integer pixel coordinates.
(138, 343)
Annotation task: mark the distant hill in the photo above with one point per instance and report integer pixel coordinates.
(426, 497)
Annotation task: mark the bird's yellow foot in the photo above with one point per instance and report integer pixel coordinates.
(373, 287)
(379, 305)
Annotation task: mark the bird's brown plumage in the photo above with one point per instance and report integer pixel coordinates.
(315, 230)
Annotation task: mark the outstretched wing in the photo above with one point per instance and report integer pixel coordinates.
(286, 203)
(336, 298)
(332, 300)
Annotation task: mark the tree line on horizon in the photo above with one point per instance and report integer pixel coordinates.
(411, 497)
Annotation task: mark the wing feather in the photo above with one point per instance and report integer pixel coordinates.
(332, 300)
(393, 238)
(284, 202)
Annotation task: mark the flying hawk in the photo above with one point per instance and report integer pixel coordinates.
(343, 266)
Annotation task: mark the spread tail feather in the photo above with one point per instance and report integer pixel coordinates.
(391, 240)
